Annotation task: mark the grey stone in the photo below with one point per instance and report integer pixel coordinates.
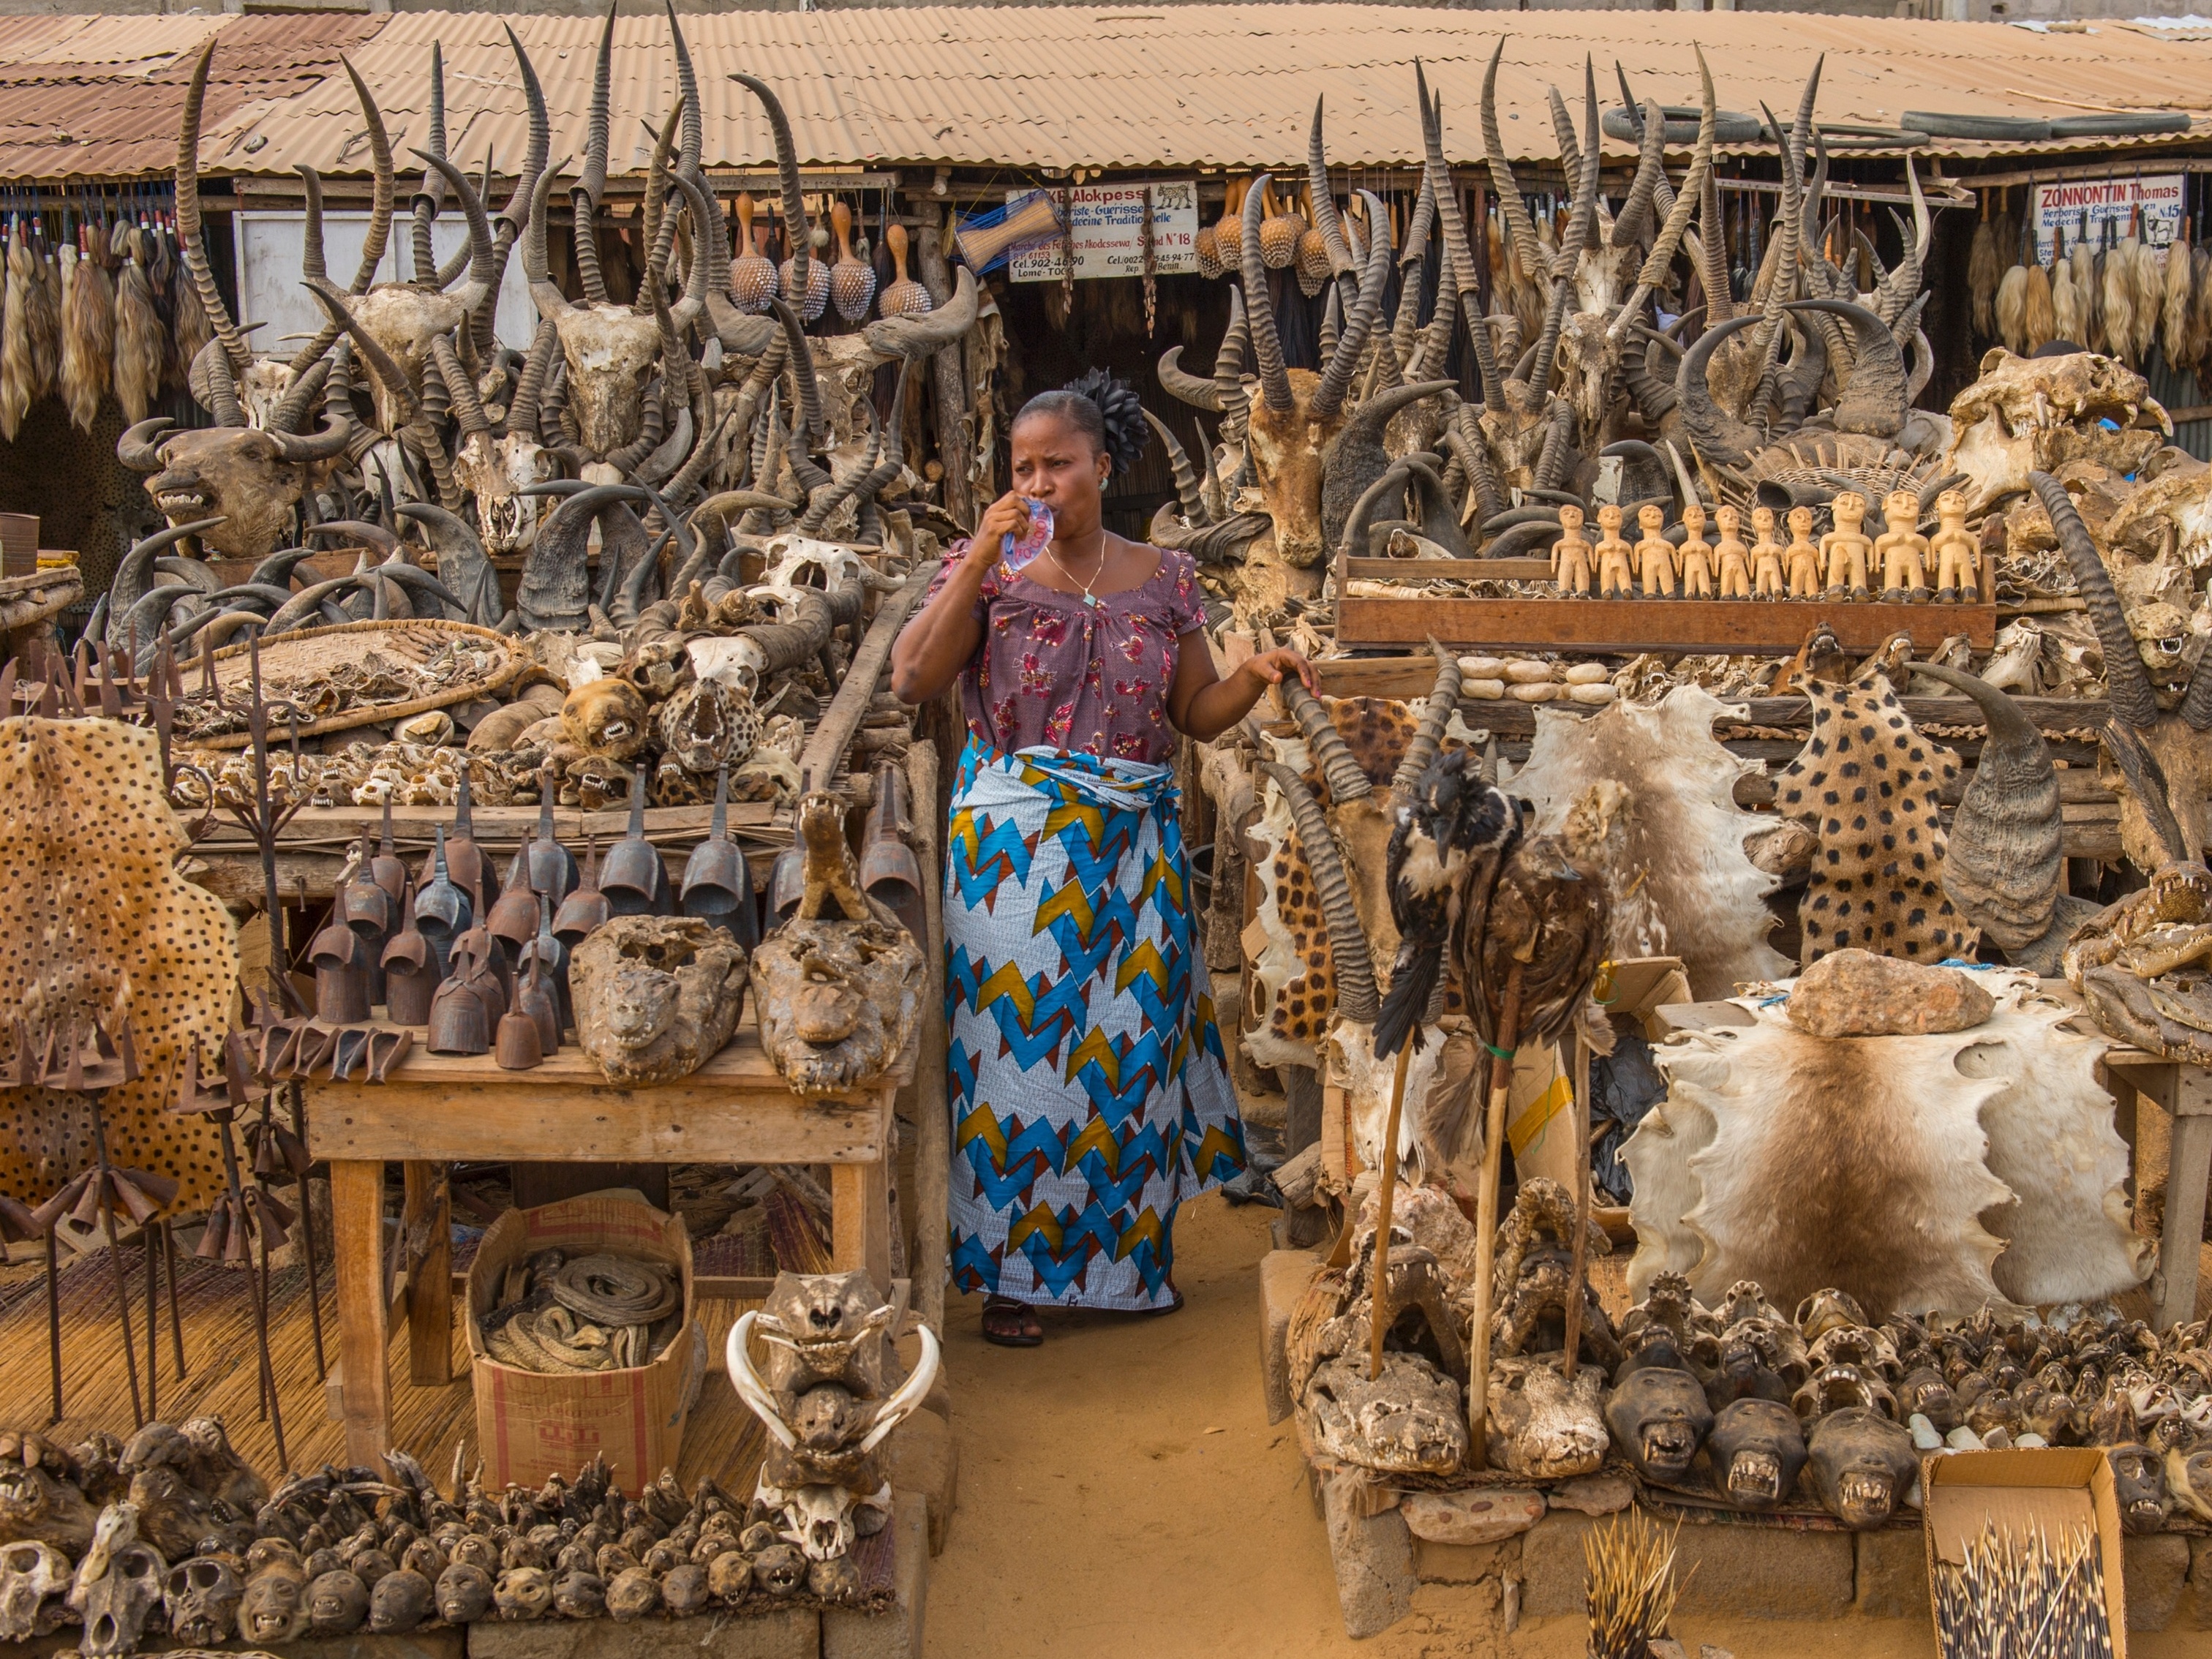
(1892, 1580)
(1551, 1565)
(443, 1643)
(1605, 1493)
(1284, 1276)
(896, 1634)
(785, 1633)
(1374, 1559)
(925, 1458)
(1465, 1563)
(2156, 1566)
(1764, 1572)
(1480, 1515)
(2200, 1580)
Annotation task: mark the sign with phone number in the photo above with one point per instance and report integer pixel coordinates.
(1106, 223)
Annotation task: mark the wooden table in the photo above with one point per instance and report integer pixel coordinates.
(437, 1109)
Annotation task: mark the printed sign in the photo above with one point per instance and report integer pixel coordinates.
(2095, 202)
(1107, 225)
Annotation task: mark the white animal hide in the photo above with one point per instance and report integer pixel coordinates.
(1435, 1126)
(1663, 1190)
(2069, 1235)
(1673, 855)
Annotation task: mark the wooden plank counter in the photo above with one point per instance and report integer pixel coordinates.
(440, 1108)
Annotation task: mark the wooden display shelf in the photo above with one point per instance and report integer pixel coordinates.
(1733, 628)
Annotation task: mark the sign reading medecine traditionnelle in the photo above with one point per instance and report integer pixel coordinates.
(2083, 207)
(1107, 225)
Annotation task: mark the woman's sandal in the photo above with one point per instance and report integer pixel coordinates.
(1010, 1324)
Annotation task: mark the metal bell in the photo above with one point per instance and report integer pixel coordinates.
(519, 1046)
(411, 976)
(466, 863)
(545, 953)
(456, 1022)
(635, 880)
(479, 963)
(718, 887)
(586, 908)
(362, 903)
(549, 867)
(888, 871)
(513, 920)
(342, 975)
(787, 885)
(537, 998)
(387, 869)
(442, 911)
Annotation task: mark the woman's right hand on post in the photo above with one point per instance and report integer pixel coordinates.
(1007, 516)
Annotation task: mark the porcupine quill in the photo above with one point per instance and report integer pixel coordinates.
(87, 335)
(140, 344)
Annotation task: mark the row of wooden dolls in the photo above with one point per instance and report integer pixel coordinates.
(1769, 569)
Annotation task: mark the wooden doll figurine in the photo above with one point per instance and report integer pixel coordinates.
(1954, 549)
(1734, 557)
(1765, 555)
(1845, 548)
(1804, 559)
(1902, 549)
(1616, 559)
(1571, 556)
(1655, 554)
(1697, 555)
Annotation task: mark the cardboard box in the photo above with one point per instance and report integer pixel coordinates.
(2059, 1489)
(19, 544)
(531, 1425)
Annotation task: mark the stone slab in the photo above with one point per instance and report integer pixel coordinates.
(1607, 1493)
(1765, 1572)
(1552, 1573)
(785, 1633)
(1284, 1276)
(1466, 1563)
(1374, 1559)
(2200, 1580)
(1892, 1574)
(2156, 1566)
(1482, 1515)
(925, 1458)
(896, 1634)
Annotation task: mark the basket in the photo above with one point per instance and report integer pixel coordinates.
(290, 657)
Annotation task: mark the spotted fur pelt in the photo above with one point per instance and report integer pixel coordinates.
(1646, 793)
(1894, 1168)
(1866, 784)
(1293, 984)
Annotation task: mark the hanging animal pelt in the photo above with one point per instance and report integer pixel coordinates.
(2150, 298)
(2200, 307)
(191, 330)
(1867, 785)
(2173, 315)
(1644, 793)
(2011, 310)
(1982, 273)
(2115, 303)
(17, 373)
(140, 344)
(45, 292)
(2066, 319)
(1871, 1163)
(2085, 288)
(2035, 319)
(88, 338)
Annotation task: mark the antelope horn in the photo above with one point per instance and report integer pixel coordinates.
(1435, 345)
(291, 410)
(543, 291)
(140, 448)
(313, 260)
(1353, 960)
(1563, 130)
(460, 390)
(1717, 436)
(1267, 343)
(431, 196)
(222, 389)
(1650, 168)
(687, 89)
(330, 442)
(1872, 402)
(795, 226)
(660, 225)
(379, 206)
(1436, 715)
(1328, 400)
(802, 371)
(2128, 687)
(2197, 705)
(1687, 201)
(2148, 783)
(188, 215)
(516, 215)
(393, 378)
(1521, 231)
(1186, 481)
(1331, 754)
(1327, 220)
(592, 182)
(1456, 250)
(483, 268)
(935, 329)
(530, 384)
(1185, 386)
(1713, 251)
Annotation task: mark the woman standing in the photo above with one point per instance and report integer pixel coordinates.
(1088, 1089)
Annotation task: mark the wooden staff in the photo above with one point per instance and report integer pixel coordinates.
(1378, 1312)
(1486, 1225)
(1577, 1273)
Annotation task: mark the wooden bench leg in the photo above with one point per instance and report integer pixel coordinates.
(357, 1226)
(427, 1225)
(861, 1220)
(2189, 1166)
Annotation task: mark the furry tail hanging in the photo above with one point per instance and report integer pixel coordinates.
(87, 333)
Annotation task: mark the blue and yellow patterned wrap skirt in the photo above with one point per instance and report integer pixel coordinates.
(1088, 1090)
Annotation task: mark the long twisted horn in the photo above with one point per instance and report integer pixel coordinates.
(188, 215)
(1267, 343)
(1872, 403)
(1686, 201)
(1327, 220)
(1455, 243)
(795, 227)
(2127, 681)
(1436, 715)
(1331, 754)
(1351, 956)
(1521, 231)
(1352, 345)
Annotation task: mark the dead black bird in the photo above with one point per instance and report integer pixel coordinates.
(1454, 829)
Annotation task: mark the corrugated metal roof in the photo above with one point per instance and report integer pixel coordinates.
(101, 97)
(1050, 89)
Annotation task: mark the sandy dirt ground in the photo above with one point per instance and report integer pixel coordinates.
(1120, 1494)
